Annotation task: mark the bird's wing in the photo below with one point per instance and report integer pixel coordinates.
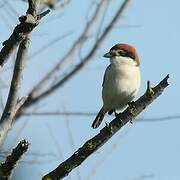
(105, 74)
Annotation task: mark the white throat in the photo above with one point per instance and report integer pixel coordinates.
(120, 60)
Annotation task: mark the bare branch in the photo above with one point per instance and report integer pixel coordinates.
(57, 113)
(56, 144)
(146, 176)
(12, 106)
(71, 51)
(62, 4)
(56, 4)
(158, 119)
(6, 168)
(50, 43)
(107, 132)
(27, 24)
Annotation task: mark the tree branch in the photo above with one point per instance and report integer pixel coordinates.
(12, 106)
(107, 132)
(6, 168)
(26, 25)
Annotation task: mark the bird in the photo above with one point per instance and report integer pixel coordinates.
(121, 80)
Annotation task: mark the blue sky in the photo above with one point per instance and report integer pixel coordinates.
(144, 148)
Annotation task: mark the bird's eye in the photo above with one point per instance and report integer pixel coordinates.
(120, 52)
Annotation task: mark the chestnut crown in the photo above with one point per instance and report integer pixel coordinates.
(124, 50)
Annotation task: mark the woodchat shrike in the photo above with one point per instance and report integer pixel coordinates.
(121, 80)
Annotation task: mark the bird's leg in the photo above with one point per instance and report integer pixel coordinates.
(115, 113)
(111, 111)
(107, 124)
(132, 104)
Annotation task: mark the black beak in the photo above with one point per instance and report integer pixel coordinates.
(108, 55)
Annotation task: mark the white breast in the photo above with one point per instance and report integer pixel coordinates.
(121, 83)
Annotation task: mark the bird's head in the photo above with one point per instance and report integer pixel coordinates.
(123, 54)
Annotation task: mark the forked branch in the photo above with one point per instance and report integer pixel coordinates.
(21, 31)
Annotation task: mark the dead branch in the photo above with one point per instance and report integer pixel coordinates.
(107, 132)
(12, 106)
(26, 25)
(6, 168)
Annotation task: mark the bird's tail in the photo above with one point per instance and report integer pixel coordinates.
(98, 118)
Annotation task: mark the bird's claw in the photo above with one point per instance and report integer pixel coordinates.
(116, 114)
(132, 104)
(111, 111)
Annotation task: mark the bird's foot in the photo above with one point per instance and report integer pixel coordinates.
(132, 104)
(131, 121)
(107, 124)
(115, 113)
(111, 111)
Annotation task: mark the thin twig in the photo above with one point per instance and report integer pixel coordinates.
(50, 43)
(61, 5)
(106, 133)
(57, 113)
(141, 119)
(71, 142)
(56, 143)
(144, 177)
